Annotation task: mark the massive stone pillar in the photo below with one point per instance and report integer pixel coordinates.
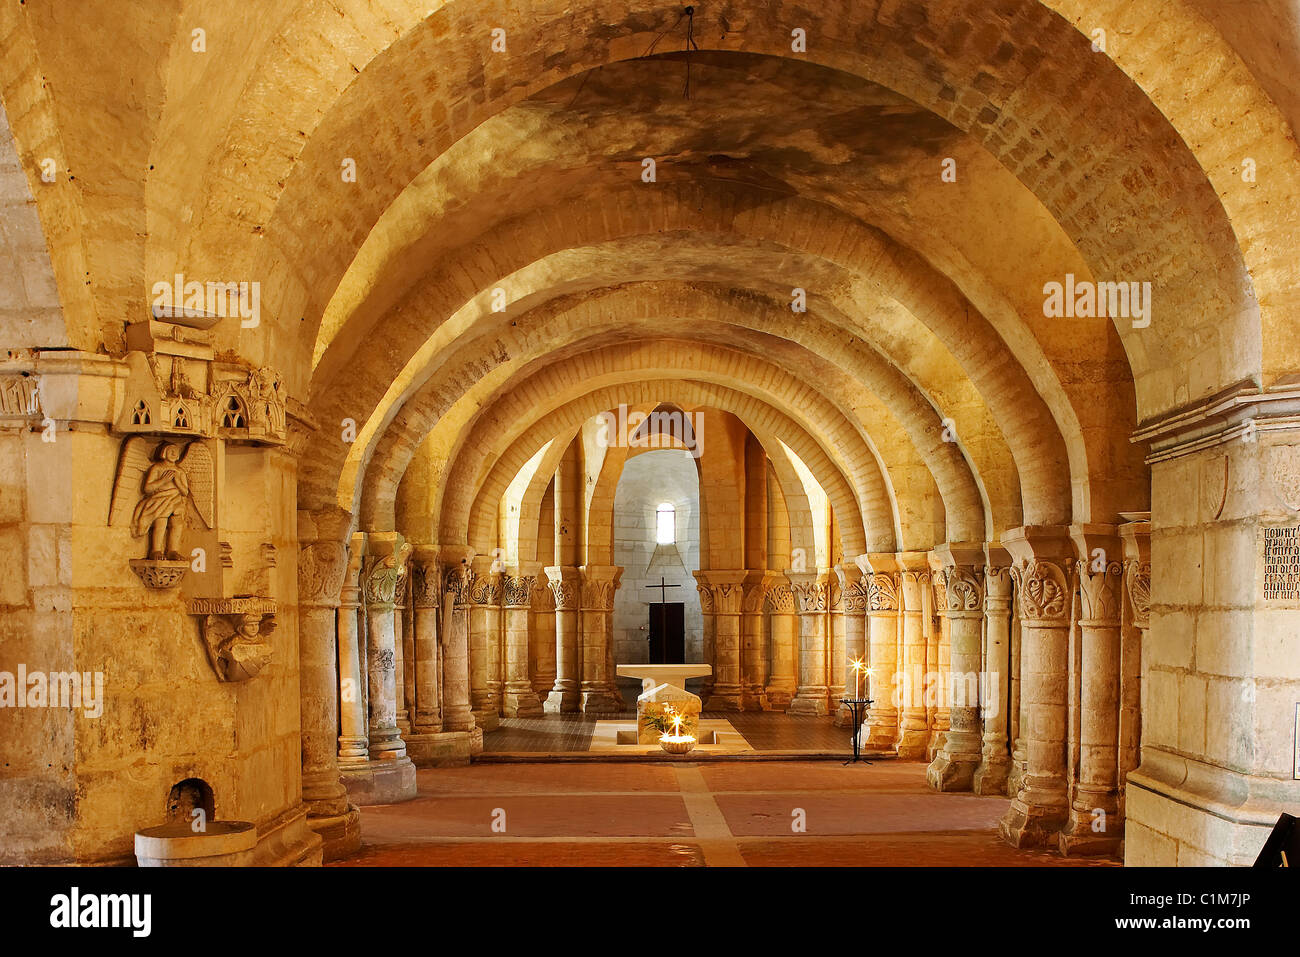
(853, 614)
(322, 563)
(389, 775)
(812, 599)
(1095, 824)
(354, 736)
(1136, 538)
(485, 642)
(566, 587)
(882, 654)
(784, 678)
(518, 698)
(724, 590)
(1044, 595)
(542, 644)
(754, 667)
(995, 757)
(457, 714)
(598, 585)
(914, 719)
(961, 585)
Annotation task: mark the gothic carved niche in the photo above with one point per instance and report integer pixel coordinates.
(965, 589)
(20, 395)
(321, 568)
(882, 594)
(167, 482)
(1137, 578)
(236, 633)
(1043, 590)
(1099, 595)
(517, 590)
(249, 404)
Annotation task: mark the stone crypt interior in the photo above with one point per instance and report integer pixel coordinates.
(389, 385)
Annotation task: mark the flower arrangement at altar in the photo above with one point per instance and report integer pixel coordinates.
(674, 741)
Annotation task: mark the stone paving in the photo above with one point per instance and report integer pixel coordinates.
(689, 814)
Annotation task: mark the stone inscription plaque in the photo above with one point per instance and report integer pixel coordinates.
(1282, 564)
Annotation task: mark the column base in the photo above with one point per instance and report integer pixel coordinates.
(340, 833)
(1015, 777)
(288, 841)
(442, 749)
(991, 776)
(754, 700)
(380, 782)
(600, 702)
(521, 704)
(778, 699)
(813, 703)
(912, 743)
(952, 772)
(723, 699)
(880, 737)
(487, 720)
(1078, 839)
(938, 740)
(1026, 825)
(562, 702)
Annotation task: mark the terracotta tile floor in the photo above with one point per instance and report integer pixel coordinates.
(689, 814)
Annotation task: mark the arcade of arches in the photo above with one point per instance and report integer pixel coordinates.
(331, 333)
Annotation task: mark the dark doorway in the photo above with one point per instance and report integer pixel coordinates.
(668, 633)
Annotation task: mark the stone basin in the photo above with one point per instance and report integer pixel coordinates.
(222, 844)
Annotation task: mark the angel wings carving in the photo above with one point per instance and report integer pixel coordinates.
(169, 477)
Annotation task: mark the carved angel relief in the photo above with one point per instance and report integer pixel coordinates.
(172, 480)
(237, 633)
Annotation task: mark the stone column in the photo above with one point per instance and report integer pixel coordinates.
(1095, 824)
(961, 586)
(1016, 729)
(882, 655)
(322, 563)
(485, 642)
(836, 640)
(389, 776)
(599, 583)
(812, 599)
(1136, 537)
(725, 589)
(457, 714)
(354, 736)
(543, 638)
(753, 642)
(1043, 593)
(401, 660)
(708, 633)
(853, 611)
(914, 720)
(426, 607)
(566, 587)
(995, 761)
(784, 678)
(938, 662)
(518, 698)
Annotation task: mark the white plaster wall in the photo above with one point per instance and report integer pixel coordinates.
(648, 479)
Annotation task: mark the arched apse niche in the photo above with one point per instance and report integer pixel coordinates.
(650, 478)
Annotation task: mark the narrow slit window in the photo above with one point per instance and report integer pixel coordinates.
(665, 525)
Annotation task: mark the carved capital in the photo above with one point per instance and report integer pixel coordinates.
(882, 592)
(997, 584)
(321, 568)
(1099, 592)
(1043, 591)
(780, 600)
(811, 597)
(382, 573)
(566, 588)
(965, 588)
(517, 590)
(1137, 581)
(459, 579)
(426, 590)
